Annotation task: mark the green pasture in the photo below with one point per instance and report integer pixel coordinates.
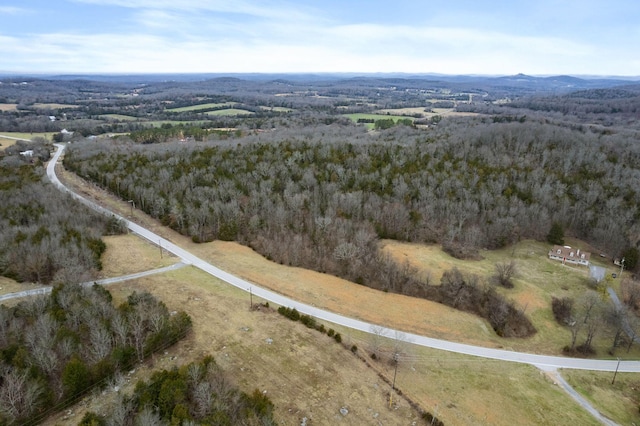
(230, 112)
(357, 116)
(120, 117)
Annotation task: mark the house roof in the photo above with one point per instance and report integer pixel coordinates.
(570, 253)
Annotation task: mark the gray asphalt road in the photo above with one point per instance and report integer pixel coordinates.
(545, 362)
(106, 281)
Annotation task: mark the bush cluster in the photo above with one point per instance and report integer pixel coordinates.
(308, 321)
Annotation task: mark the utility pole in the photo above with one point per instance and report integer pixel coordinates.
(614, 374)
(621, 267)
(393, 384)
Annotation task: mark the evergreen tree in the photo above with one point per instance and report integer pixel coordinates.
(556, 234)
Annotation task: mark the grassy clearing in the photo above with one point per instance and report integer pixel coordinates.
(8, 107)
(307, 374)
(538, 280)
(6, 143)
(200, 107)
(175, 123)
(276, 109)
(357, 116)
(53, 106)
(28, 136)
(304, 373)
(230, 112)
(618, 401)
(120, 117)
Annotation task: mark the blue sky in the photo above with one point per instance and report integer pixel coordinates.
(541, 37)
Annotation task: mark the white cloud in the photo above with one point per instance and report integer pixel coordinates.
(10, 10)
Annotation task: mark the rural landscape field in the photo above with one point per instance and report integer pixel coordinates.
(419, 206)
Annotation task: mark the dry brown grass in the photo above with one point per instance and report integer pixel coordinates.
(305, 373)
(6, 143)
(309, 375)
(8, 107)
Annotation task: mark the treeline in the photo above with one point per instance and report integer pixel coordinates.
(169, 132)
(46, 237)
(197, 393)
(55, 348)
(317, 195)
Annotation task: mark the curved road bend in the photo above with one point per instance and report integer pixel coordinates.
(545, 362)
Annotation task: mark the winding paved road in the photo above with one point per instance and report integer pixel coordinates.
(545, 362)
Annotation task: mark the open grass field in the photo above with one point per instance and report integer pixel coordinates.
(229, 112)
(8, 139)
(459, 389)
(200, 107)
(8, 107)
(120, 117)
(53, 106)
(619, 401)
(276, 109)
(357, 116)
(538, 280)
(6, 142)
(307, 374)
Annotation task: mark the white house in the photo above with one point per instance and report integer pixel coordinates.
(566, 254)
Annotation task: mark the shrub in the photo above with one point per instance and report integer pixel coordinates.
(331, 332)
(338, 338)
(354, 349)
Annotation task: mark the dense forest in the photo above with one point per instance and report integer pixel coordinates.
(54, 349)
(312, 196)
(321, 197)
(44, 236)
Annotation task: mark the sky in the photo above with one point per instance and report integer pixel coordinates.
(499, 37)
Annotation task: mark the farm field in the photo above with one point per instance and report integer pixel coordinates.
(53, 106)
(200, 107)
(8, 107)
(229, 112)
(121, 117)
(27, 136)
(357, 116)
(276, 109)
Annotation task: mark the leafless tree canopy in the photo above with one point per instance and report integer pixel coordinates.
(59, 346)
